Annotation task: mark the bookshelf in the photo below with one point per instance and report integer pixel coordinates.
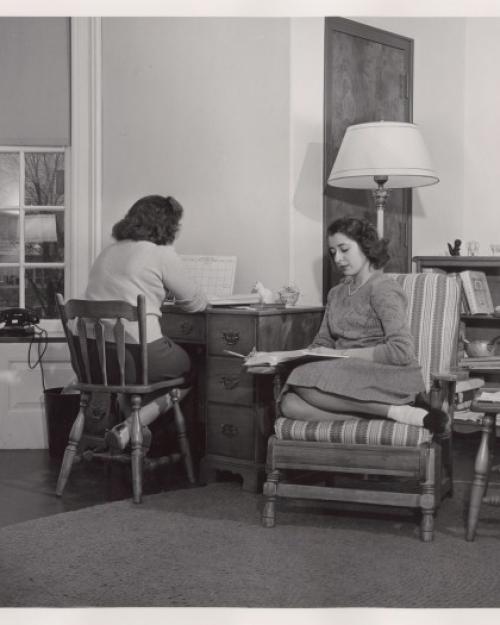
(473, 327)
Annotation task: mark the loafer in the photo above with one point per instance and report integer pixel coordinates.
(436, 421)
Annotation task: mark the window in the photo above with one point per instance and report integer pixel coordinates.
(33, 214)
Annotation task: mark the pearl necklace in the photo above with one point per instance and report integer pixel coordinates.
(355, 290)
(352, 291)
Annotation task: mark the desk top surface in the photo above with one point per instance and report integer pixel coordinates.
(257, 310)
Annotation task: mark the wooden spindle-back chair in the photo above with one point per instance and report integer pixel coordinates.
(104, 366)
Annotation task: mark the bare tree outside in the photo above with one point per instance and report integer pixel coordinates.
(43, 179)
(43, 228)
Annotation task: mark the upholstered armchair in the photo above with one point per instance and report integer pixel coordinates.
(376, 449)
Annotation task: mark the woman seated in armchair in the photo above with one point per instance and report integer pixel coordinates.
(365, 319)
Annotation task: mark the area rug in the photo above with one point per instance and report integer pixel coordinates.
(205, 547)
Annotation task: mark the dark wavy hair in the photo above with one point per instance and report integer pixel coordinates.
(152, 218)
(365, 235)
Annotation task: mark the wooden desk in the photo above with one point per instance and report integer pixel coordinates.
(236, 408)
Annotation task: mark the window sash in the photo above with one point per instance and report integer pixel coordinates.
(25, 209)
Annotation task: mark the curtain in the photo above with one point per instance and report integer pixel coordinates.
(35, 81)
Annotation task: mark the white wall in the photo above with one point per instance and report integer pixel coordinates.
(439, 110)
(482, 132)
(198, 108)
(227, 115)
(306, 158)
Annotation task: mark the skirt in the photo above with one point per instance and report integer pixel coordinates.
(166, 360)
(361, 380)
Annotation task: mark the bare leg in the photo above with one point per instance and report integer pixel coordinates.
(313, 405)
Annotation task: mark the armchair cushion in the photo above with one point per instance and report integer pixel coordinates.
(352, 431)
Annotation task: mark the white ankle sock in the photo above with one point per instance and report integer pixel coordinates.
(407, 414)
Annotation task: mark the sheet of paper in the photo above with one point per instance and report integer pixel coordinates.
(215, 274)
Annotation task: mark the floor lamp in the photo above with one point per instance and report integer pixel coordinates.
(382, 156)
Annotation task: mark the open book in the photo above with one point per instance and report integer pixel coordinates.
(258, 359)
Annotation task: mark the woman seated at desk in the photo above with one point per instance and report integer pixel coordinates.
(142, 260)
(365, 319)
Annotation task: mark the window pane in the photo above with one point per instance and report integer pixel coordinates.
(44, 236)
(9, 237)
(9, 287)
(42, 284)
(9, 179)
(44, 185)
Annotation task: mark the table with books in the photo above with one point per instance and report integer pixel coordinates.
(479, 324)
(487, 405)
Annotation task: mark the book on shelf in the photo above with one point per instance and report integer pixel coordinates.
(484, 362)
(259, 359)
(477, 293)
(489, 396)
(468, 416)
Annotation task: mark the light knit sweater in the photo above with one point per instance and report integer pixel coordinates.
(373, 316)
(128, 268)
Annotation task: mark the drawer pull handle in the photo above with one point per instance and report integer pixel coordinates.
(229, 430)
(231, 338)
(230, 382)
(186, 327)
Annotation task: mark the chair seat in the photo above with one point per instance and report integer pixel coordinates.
(131, 389)
(351, 431)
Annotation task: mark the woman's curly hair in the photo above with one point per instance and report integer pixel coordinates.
(152, 218)
(365, 235)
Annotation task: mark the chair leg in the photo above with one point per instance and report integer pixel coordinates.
(75, 436)
(182, 439)
(481, 466)
(137, 453)
(270, 491)
(428, 499)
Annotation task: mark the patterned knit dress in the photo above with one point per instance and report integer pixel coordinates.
(372, 316)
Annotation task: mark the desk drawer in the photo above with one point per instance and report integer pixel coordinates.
(232, 332)
(230, 431)
(184, 327)
(228, 383)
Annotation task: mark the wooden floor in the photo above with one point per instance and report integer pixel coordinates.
(28, 478)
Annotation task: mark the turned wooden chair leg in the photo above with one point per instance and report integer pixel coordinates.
(428, 499)
(75, 436)
(270, 493)
(182, 439)
(481, 467)
(137, 453)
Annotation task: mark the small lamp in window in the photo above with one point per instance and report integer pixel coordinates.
(38, 229)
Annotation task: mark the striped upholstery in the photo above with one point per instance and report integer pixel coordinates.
(352, 432)
(433, 300)
(433, 318)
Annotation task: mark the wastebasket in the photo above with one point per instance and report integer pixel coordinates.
(60, 411)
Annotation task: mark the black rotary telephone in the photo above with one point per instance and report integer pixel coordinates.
(18, 321)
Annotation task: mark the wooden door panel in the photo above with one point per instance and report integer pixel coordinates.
(368, 77)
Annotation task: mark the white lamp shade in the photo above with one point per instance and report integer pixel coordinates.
(40, 228)
(392, 149)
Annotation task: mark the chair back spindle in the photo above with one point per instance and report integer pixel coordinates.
(99, 316)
